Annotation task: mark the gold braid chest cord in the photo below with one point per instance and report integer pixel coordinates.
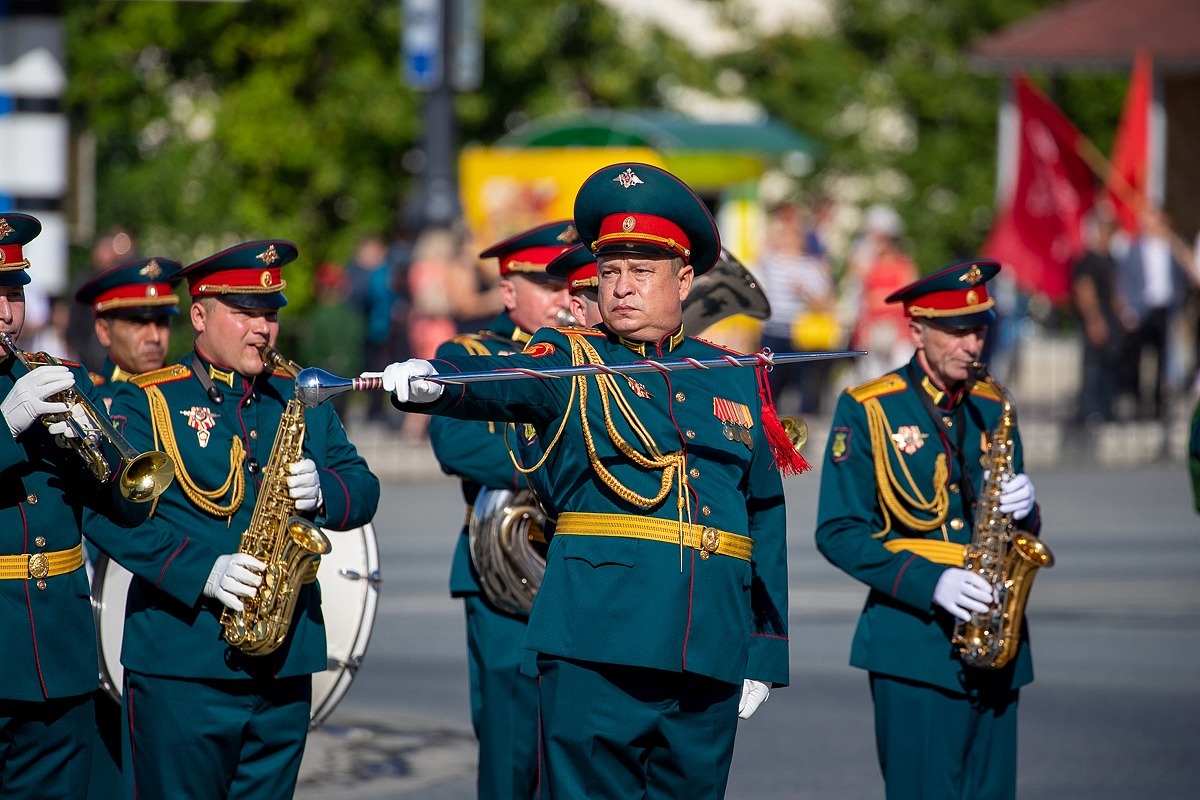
(671, 464)
(205, 500)
(892, 496)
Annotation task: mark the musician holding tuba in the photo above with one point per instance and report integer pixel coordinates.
(504, 702)
(52, 453)
(204, 718)
(904, 500)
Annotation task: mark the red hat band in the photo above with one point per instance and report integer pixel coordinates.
(11, 257)
(239, 281)
(643, 228)
(531, 259)
(950, 303)
(135, 295)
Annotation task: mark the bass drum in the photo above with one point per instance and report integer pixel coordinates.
(350, 579)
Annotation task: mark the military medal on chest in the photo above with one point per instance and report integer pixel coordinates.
(736, 420)
(909, 438)
(202, 419)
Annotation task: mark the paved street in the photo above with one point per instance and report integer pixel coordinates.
(1114, 713)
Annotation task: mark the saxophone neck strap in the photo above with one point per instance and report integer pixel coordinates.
(201, 373)
(949, 423)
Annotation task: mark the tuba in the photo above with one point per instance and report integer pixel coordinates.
(143, 477)
(1006, 559)
(289, 545)
(726, 289)
(507, 538)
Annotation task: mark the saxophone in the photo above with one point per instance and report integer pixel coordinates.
(1006, 559)
(287, 544)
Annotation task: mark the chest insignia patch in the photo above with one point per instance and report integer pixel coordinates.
(736, 420)
(539, 350)
(202, 419)
(839, 446)
(909, 438)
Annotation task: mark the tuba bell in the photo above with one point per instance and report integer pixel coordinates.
(507, 538)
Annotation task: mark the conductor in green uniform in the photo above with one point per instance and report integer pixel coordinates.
(662, 614)
(202, 718)
(901, 473)
(133, 304)
(47, 725)
(503, 700)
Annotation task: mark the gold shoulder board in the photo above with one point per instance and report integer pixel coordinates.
(981, 389)
(570, 329)
(167, 374)
(888, 384)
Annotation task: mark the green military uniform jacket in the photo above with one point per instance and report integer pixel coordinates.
(475, 450)
(882, 431)
(219, 446)
(45, 493)
(620, 600)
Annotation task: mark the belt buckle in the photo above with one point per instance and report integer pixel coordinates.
(39, 566)
(710, 541)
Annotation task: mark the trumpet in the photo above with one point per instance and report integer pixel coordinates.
(145, 475)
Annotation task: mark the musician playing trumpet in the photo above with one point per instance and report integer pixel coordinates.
(202, 718)
(899, 487)
(46, 703)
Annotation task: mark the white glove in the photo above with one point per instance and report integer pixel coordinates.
(26, 401)
(1016, 496)
(63, 430)
(304, 485)
(396, 379)
(962, 592)
(754, 694)
(232, 577)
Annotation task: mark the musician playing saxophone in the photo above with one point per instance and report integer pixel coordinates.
(46, 699)
(901, 471)
(503, 701)
(201, 718)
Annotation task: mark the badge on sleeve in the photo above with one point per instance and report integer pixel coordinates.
(839, 448)
(736, 420)
(539, 349)
(202, 419)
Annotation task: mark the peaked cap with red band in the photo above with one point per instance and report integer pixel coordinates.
(577, 266)
(142, 289)
(528, 253)
(954, 297)
(245, 275)
(16, 231)
(639, 208)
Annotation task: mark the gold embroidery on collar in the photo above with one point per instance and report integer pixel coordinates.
(221, 375)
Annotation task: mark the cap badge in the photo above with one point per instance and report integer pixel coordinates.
(5, 228)
(152, 270)
(268, 257)
(627, 178)
(151, 291)
(569, 236)
(972, 276)
(1, 256)
(628, 224)
(265, 279)
(972, 298)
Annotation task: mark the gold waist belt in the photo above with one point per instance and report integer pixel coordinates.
(935, 550)
(699, 537)
(41, 565)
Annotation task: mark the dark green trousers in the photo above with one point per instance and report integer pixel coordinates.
(615, 732)
(45, 748)
(105, 781)
(504, 704)
(938, 745)
(212, 740)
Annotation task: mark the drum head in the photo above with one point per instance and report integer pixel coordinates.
(349, 577)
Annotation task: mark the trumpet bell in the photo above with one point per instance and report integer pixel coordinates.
(146, 476)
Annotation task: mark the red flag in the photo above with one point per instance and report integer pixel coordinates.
(1126, 184)
(1039, 233)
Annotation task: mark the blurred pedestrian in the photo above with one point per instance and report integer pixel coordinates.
(373, 295)
(1094, 297)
